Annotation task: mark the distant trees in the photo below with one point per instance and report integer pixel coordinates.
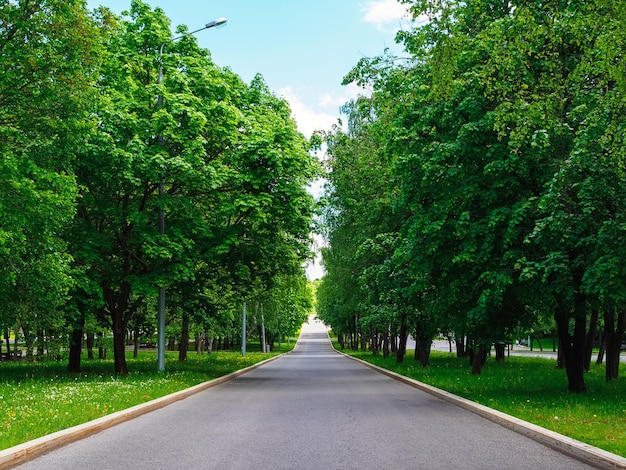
(87, 143)
(501, 142)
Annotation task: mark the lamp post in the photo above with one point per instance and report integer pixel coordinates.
(161, 140)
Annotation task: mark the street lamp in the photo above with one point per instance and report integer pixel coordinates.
(161, 303)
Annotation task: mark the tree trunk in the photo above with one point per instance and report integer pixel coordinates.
(386, 345)
(355, 344)
(29, 339)
(461, 350)
(135, 344)
(614, 335)
(102, 351)
(196, 342)
(573, 347)
(478, 359)
(120, 310)
(422, 350)
(600, 358)
(91, 341)
(401, 350)
(500, 347)
(373, 341)
(76, 347)
(41, 346)
(183, 346)
(119, 348)
(116, 311)
(591, 336)
(7, 338)
(560, 357)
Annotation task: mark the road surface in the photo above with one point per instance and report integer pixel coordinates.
(311, 409)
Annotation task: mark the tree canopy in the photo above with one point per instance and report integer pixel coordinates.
(95, 145)
(499, 139)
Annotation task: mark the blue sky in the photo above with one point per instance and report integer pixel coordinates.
(303, 48)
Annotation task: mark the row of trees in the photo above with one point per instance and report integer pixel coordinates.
(87, 135)
(480, 189)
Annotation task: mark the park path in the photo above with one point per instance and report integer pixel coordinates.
(310, 409)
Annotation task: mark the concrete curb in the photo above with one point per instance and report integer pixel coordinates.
(579, 450)
(27, 451)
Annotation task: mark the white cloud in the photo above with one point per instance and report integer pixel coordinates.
(307, 118)
(335, 100)
(383, 12)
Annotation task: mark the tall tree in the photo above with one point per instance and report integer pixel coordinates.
(233, 165)
(505, 147)
(513, 150)
(48, 51)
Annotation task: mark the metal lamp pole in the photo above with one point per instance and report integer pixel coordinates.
(161, 302)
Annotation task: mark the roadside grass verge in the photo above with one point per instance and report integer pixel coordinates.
(37, 399)
(528, 388)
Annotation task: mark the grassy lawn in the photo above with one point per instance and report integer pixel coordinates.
(532, 389)
(37, 399)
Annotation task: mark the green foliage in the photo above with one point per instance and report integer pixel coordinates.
(83, 158)
(42, 125)
(361, 220)
(496, 149)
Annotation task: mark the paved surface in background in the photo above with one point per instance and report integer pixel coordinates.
(310, 409)
(517, 350)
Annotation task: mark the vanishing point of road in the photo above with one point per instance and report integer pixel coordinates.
(310, 409)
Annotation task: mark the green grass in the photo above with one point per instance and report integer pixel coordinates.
(532, 389)
(37, 399)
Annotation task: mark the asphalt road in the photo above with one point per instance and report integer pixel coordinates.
(310, 409)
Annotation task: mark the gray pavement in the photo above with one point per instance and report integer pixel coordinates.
(310, 409)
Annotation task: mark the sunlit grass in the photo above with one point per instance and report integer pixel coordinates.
(42, 398)
(532, 389)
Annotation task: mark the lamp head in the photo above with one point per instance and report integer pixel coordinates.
(216, 23)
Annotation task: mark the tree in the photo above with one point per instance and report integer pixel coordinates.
(512, 135)
(502, 137)
(584, 198)
(362, 220)
(49, 49)
(234, 170)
